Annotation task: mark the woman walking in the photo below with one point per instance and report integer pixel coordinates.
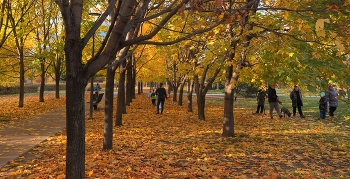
(332, 96)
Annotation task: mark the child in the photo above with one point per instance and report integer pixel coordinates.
(153, 97)
(322, 105)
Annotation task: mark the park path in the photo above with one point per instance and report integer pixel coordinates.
(21, 136)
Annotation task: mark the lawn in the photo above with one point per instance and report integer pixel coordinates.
(178, 145)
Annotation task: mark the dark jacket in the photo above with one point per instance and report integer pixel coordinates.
(322, 104)
(332, 98)
(261, 97)
(297, 98)
(161, 93)
(272, 96)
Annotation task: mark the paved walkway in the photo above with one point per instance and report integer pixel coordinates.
(21, 136)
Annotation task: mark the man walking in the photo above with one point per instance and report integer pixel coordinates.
(273, 101)
(161, 94)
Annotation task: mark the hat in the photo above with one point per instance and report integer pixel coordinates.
(322, 94)
(295, 86)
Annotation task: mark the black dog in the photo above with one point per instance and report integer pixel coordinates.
(285, 112)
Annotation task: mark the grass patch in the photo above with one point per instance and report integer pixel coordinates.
(5, 119)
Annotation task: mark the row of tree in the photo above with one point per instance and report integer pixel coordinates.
(193, 41)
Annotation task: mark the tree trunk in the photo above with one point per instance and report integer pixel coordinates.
(201, 106)
(133, 91)
(75, 123)
(175, 93)
(190, 86)
(175, 84)
(58, 76)
(181, 93)
(138, 87)
(42, 82)
(108, 116)
(170, 88)
(129, 83)
(57, 85)
(121, 96)
(21, 79)
(141, 85)
(228, 125)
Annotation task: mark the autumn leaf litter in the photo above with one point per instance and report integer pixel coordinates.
(178, 145)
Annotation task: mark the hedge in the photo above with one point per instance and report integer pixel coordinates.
(29, 88)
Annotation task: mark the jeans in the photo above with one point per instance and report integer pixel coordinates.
(160, 102)
(322, 115)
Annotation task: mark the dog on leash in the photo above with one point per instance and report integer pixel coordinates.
(285, 112)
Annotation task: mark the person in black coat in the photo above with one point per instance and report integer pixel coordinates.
(322, 105)
(273, 101)
(261, 100)
(297, 101)
(161, 94)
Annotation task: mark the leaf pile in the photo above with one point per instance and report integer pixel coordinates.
(178, 145)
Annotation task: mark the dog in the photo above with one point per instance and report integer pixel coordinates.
(285, 112)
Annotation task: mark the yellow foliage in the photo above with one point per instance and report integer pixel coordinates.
(320, 27)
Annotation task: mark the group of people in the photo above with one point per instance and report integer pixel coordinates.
(158, 97)
(328, 101)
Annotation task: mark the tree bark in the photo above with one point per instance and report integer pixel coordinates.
(129, 82)
(75, 114)
(42, 82)
(201, 106)
(190, 86)
(57, 66)
(138, 87)
(108, 116)
(133, 84)
(21, 78)
(202, 89)
(121, 96)
(174, 93)
(228, 124)
(181, 93)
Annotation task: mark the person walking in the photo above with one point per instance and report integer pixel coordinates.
(297, 101)
(161, 96)
(332, 96)
(273, 101)
(322, 105)
(153, 97)
(261, 101)
(149, 94)
(97, 89)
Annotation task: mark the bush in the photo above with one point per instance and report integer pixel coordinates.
(32, 88)
(245, 90)
(15, 89)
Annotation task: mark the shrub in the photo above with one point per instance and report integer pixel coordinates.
(31, 88)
